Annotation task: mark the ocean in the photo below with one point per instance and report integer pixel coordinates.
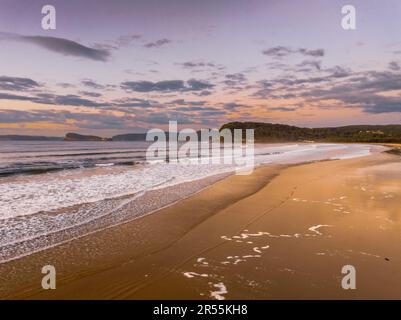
(33, 157)
(55, 191)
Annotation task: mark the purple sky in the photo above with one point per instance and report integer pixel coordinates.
(124, 66)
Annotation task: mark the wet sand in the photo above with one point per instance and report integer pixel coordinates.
(280, 233)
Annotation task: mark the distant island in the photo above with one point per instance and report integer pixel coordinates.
(80, 137)
(16, 137)
(130, 137)
(120, 137)
(264, 132)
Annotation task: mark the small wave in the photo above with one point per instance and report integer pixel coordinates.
(104, 164)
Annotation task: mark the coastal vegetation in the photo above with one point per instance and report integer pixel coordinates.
(269, 132)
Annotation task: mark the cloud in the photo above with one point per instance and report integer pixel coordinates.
(51, 99)
(311, 63)
(283, 109)
(120, 42)
(60, 45)
(339, 72)
(69, 100)
(377, 81)
(166, 86)
(90, 94)
(6, 96)
(197, 85)
(374, 92)
(164, 118)
(277, 52)
(17, 84)
(148, 86)
(197, 64)
(293, 84)
(134, 103)
(380, 104)
(213, 113)
(83, 120)
(74, 100)
(66, 85)
(235, 79)
(132, 113)
(393, 65)
(92, 84)
(281, 51)
(232, 106)
(362, 90)
(312, 53)
(126, 40)
(183, 102)
(15, 116)
(157, 43)
(203, 93)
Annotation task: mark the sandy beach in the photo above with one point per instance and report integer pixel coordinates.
(169, 152)
(284, 232)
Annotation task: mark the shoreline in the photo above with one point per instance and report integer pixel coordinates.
(194, 187)
(130, 251)
(45, 229)
(24, 260)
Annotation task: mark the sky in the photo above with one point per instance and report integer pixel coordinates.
(122, 66)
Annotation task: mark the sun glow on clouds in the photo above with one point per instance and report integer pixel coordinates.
(248, 61)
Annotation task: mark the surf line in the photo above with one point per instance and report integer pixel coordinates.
(208, 146)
